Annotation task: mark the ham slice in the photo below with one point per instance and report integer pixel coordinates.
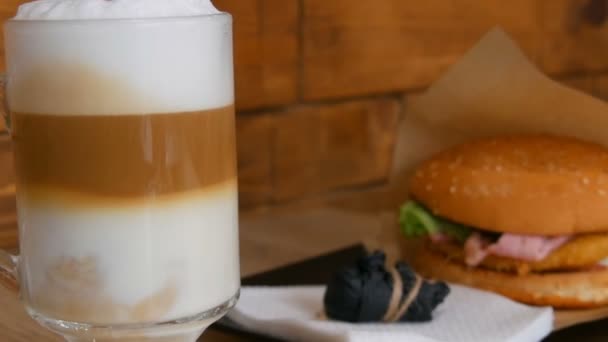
(475, 249)
(520, 247)
(440, 237)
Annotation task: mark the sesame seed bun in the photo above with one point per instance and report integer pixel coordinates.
(567, 290)
(542, 185)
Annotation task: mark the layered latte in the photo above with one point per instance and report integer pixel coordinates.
(126, 172)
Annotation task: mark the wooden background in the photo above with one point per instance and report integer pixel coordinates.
(321, 84)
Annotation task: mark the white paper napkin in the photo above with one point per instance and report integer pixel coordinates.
(467, 315)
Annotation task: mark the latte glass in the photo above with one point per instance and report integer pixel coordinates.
(124, 140)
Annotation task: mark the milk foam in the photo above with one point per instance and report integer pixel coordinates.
(112, 9)
(120, 67)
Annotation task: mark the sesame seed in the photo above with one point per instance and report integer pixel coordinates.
(452, 189)
(429, 187)
(601, 192)
(484, 190)
(503, 190)
(498, 168)
(586, 181)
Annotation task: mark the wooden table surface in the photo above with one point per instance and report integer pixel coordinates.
(277, 237)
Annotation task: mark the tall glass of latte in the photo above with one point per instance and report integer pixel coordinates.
(122, 119)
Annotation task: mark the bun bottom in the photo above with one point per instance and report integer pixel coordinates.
(566, 290)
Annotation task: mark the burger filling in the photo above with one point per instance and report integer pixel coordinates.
(500, 251)
(520, 247)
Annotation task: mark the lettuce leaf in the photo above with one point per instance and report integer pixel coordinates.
(416, 221)
(456, 231)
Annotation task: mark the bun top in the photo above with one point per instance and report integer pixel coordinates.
(540, 185)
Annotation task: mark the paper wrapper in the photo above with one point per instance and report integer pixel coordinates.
(494, 89)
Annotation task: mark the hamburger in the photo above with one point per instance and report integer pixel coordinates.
(524, 216)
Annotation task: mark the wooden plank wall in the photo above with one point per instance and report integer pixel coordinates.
(321, 84)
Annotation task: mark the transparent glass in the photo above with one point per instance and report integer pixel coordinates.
(124, 140)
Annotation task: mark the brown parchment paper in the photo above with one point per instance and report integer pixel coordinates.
(493, 89)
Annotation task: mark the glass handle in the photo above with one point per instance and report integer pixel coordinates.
(8, 262)
(4, 103)
(8, 271)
